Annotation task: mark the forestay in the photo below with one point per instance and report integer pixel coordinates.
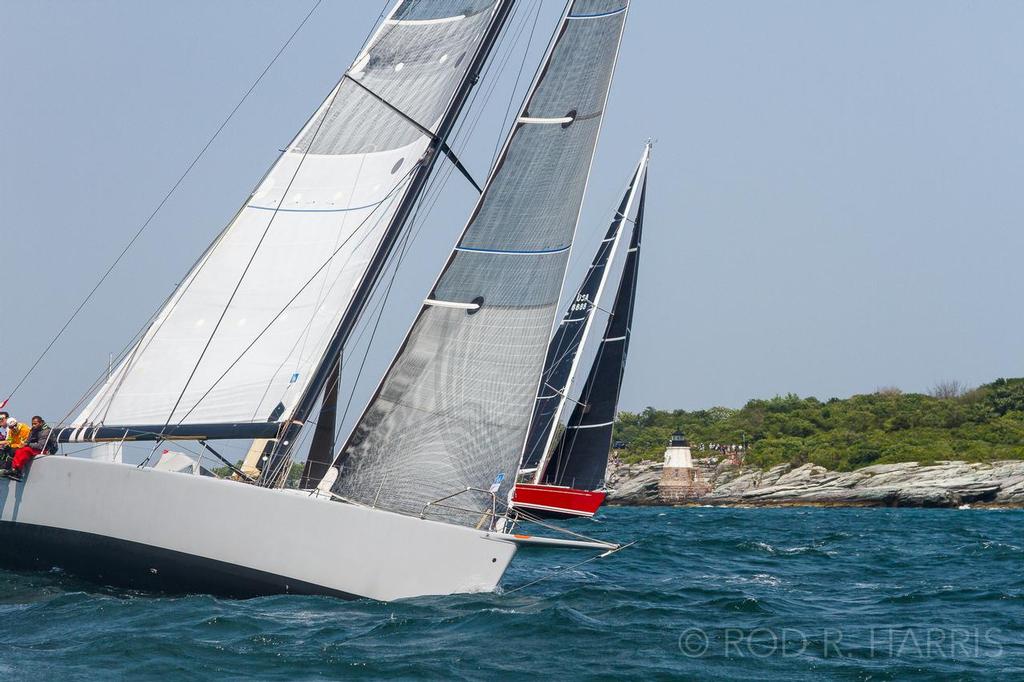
(453, 408)
(241, 337)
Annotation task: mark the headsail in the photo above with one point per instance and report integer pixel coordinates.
(580, 458)
(564, 350)
(453, 408)
(242, 341)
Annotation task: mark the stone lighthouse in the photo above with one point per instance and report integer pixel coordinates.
(680, 481)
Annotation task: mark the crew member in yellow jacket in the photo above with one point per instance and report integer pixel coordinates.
(17, 436)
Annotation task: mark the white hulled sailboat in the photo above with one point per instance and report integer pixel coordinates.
(252, 340)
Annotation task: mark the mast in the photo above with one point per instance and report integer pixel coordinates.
(565, 350)
(380, 257)
(580, 458)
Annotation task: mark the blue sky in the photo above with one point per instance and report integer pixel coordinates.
(835, 196)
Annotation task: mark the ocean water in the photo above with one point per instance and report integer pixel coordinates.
(747, 594)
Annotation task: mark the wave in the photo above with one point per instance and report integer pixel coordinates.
(711, 571)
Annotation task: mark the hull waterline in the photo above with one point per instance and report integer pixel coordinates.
(154, 530)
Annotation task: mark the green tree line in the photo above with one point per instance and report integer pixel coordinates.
(982, 424)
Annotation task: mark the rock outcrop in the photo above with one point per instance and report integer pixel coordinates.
(909, 484)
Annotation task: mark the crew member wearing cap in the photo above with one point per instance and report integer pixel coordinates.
(17, 437)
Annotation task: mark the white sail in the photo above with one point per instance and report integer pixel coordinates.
(453, 409)
(242, 335)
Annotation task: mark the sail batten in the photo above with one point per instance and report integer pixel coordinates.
(253, 320)
(452, 410)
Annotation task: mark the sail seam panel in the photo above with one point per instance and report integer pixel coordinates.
(599, 15)
(589, 426)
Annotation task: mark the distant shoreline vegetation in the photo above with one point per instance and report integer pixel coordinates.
(983, 424)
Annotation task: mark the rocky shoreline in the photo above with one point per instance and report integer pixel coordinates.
(908, 484)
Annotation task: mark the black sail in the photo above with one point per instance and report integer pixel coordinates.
(581, 455)
(564, 348)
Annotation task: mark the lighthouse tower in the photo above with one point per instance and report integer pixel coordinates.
(680, 481)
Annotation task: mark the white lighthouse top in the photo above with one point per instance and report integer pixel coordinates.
(678, 457)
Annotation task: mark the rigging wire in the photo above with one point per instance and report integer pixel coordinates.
(306, 432)
(160, 205)
(320, 297)
(267, 327)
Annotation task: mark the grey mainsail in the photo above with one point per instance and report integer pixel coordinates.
(451, 412)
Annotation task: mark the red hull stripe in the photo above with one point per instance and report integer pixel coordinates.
(559, 499)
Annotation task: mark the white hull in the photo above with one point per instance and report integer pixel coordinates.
(112, 521)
